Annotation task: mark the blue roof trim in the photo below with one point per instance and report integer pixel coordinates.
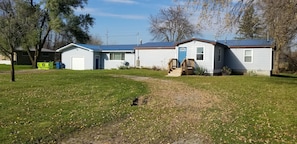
(129, 47)
(196, 39)
(247, 43)
(157, 44)
(91, 47)
(254, 43)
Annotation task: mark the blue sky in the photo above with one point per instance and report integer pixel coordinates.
(126, 21)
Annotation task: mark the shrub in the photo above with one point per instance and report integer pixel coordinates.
(226, 70)
(123, 67)
(199, 71)
(156, 68)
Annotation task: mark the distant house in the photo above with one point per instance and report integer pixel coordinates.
(240, 55)
(22, 57)
(89, 57)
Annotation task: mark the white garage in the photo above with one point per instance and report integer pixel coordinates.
(90, 57)
(79, 57)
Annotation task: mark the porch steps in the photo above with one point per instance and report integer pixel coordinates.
(175, 72)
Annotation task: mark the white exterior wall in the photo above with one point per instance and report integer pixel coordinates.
(261, 60)
(75, 52)
(114, 64)
(130, 58)
(7, 62)
(154, 57)
(208, 62)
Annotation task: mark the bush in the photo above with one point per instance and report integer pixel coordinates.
(199, 71)
(226, 70)
(156, 68)
(123, 67)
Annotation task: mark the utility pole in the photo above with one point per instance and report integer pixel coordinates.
(137, 38)
(106, 37)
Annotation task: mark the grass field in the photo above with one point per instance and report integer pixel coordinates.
(46, 107)
(4, 67)
(254, 110)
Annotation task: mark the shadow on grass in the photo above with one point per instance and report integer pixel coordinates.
(284, 75)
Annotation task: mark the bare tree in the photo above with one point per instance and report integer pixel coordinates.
(279, 18)
(171, 24)
(95, 40)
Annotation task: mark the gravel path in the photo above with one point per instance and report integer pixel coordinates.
(180, 125)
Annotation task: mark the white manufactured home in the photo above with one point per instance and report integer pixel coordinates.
(240, 55)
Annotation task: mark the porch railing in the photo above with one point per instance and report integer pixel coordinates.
(172, 64)
(188, 66)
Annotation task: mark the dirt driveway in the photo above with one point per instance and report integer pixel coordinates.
(171, 113)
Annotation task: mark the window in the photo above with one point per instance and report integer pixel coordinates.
(219, 54)
(200, 53)
(248, 55)
(117, 56)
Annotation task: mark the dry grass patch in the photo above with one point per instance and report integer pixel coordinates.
(173, 113)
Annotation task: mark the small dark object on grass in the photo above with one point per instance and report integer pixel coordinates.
(135, 102)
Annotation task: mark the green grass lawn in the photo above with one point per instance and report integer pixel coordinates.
(4, 67)
(254, 109)
(45, 107)
(42, 108)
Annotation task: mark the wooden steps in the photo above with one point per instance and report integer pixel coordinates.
(175, 72)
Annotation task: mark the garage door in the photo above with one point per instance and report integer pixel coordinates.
(78, 63)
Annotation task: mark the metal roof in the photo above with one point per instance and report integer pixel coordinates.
(247, 43)
(156, 45)
(253, 43)
(33, 49)
(99, 48)
(128, 47)
(89, 46)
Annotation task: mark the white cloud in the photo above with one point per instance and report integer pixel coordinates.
(85, 10)
(122, 16)
(97, 12)
(122, 1)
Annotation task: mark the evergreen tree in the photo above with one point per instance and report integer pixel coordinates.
(250, 26)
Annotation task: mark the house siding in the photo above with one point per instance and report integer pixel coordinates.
(208, 61)
(154, 57)
(76, 52)
(5, 60)
(114, 64)
(130, 58)
(261, 60)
